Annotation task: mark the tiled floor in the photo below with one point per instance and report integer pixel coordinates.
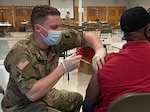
(78, 81)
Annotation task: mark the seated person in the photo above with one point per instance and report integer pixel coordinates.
(125, 71)
(97, 20)
(67, 18)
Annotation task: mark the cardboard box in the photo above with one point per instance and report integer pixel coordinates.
(86, 68)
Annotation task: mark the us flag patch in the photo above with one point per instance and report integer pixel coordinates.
(22, 64)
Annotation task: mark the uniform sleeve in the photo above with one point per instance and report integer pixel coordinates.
(21, 71)
(72, 38)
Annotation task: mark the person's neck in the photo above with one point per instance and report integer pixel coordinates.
(135, 36)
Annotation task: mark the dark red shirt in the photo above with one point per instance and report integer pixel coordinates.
(126, 71)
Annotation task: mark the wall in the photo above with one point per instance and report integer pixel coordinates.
(128, 3)
(100, 3)
(103, 2)
(23, 2)
(143, 3)
(85, 2)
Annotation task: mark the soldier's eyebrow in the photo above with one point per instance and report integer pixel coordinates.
(55, 26)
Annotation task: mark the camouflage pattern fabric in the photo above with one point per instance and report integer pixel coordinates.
(26, 64)
(65, 101)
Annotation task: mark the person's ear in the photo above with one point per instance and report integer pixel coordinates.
(37, 28)
(148, 31)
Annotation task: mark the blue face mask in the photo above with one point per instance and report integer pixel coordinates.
(53, 37)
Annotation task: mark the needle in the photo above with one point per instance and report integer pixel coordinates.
(87, 62)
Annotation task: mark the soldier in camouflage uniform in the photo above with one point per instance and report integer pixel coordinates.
(67, 18)
(34, 70)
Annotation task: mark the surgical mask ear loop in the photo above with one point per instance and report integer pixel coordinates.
(42, 35)
(43, 28)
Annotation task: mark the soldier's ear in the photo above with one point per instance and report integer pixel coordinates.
(37, 28)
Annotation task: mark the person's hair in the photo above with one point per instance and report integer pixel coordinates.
(40, 13)
(68, 12)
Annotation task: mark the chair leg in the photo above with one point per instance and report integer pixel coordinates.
(68, 76)
(1, 90)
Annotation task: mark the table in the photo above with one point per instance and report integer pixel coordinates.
(3, 26)
(24, 22)
(103, 22)
(90, 22)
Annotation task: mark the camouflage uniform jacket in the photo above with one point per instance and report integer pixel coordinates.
(26, 64)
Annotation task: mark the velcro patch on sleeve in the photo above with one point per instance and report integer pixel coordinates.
(23, 63)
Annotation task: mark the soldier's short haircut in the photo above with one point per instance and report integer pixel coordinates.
(40, 13)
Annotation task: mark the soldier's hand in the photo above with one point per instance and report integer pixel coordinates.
(98, 59)
(72, 62)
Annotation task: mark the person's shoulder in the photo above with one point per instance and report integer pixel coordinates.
(117, 57)
(69, 34)
(21, 47)
(20, 44)
(71, 37)
(111, 55)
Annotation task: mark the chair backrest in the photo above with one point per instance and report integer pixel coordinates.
(106, 25)
(131, 102)
(106, 30)
(28, 27)
(117, 29)
(85, 24)
(105, 33)
(78, 28)
(90, 28)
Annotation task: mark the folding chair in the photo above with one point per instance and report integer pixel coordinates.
(117, 29)
(1, 90)
(131, 102)
(28, 29)
(105, 33)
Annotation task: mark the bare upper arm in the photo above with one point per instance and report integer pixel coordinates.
(93, 92)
